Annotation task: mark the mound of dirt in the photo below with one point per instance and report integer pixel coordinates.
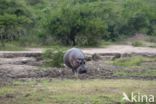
(18, 60)
(17, 71)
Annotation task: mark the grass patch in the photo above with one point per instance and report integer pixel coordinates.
(130, 61)
(135, 67)
(137, 44)
(152, 39)
(12, 46)
(104, 44)
(76, 91)
(133, 61)
(18, 46)
(144, 73)
(6, 90)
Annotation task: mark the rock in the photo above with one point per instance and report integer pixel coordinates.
(96, 57)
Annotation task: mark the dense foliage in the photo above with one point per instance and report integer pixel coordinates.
(75, 22)
(15, 19)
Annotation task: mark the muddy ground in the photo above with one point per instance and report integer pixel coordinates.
(29, 68)
(29, 65)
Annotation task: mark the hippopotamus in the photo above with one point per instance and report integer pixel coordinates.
(74, 58)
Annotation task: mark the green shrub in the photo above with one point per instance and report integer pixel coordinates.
(53, 57)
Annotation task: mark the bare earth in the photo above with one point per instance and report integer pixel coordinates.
(112, 49)
(121, 49)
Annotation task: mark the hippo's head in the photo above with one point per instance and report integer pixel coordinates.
(81, 66)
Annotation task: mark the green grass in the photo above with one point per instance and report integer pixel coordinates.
(18, 46)
(152, 39)
(73, 91)
(129, 62)
(11, 46)
(6, 90)
(143, 73)
(137, 44)
(134, 66)
(133, 61)
(104, 43)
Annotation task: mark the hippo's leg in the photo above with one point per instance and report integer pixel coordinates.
(76, 73)
(73, 70)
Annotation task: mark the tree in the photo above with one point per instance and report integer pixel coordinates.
(76, 25)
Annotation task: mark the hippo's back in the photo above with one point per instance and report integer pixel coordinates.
(71, 55)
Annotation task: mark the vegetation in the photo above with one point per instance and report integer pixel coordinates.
(53, 57)
(132, 61)
(130, 73)
(15, 20)
(74, 91)
(12, 46)
(137, 44)
(152, 39)
(136, 66)
(77, 23)
(74, 22)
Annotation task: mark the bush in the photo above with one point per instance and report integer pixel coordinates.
(53, 57)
